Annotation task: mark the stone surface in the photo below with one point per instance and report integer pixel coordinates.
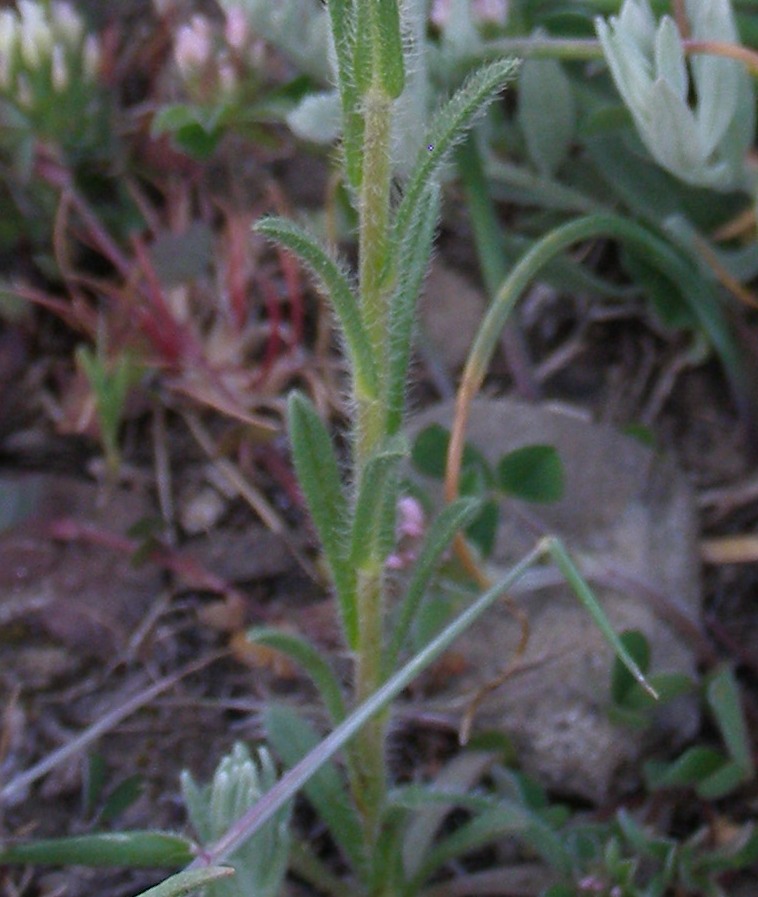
(628, 517)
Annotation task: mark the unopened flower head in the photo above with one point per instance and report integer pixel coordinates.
(236, 29)
(495, 11)
(36, 36)
(67, 24)
(7, 46)
(59, 69)
(194, 46)
(91, 55)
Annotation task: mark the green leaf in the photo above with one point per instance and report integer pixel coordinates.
(122, 797)
(94, 782)
(448, 522)
(429, 454)
(458, 775)
(319, 478)
(308, 657)
(483, 530)
(343, 24)
(664, 295)
(532, 473)
(429, 451)
(192, 130)
(695, 765)
(137, 850)
(334, 283)
(722, 693)
(739, 852)
(377, 487)
(644, 843)
(411, 263)
(724, 781)
(389, 46)
(641, 432)
(292, 738)
(448, 127)
(546, 113)
(487, 827)
(190, 880)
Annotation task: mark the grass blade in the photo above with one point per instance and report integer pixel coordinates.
(584, 594)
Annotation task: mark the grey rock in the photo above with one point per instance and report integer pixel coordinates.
(628, 517)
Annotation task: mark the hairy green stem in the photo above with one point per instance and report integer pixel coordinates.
(374, 213)
(370, 423)
(369, 751)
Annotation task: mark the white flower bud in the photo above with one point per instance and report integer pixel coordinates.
(8, 38)
(36, 36)
(227, 76)
(24, 95)
(91, 55)
(193, 47)
(67, 23)
(59, 69)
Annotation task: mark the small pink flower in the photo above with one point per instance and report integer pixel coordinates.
(194, 45)
(495, 11)
(411, 521)
(409, 530)
(235, 29)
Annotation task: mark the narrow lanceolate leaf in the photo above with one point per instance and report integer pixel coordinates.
(293, 738)
(452, 518)
(189, 881)
(334, 283)
(507, 818)
(342, 14)
(362, 38)
(319, 478)
(389, 46)
(412, 260)
(448, 128)
(378, 482)
(724, 699)
(144, 850)
(313, 663)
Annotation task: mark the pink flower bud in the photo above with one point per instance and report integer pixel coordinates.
(235, 30)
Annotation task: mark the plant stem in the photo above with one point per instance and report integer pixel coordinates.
(374, 214)
(369, 754)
